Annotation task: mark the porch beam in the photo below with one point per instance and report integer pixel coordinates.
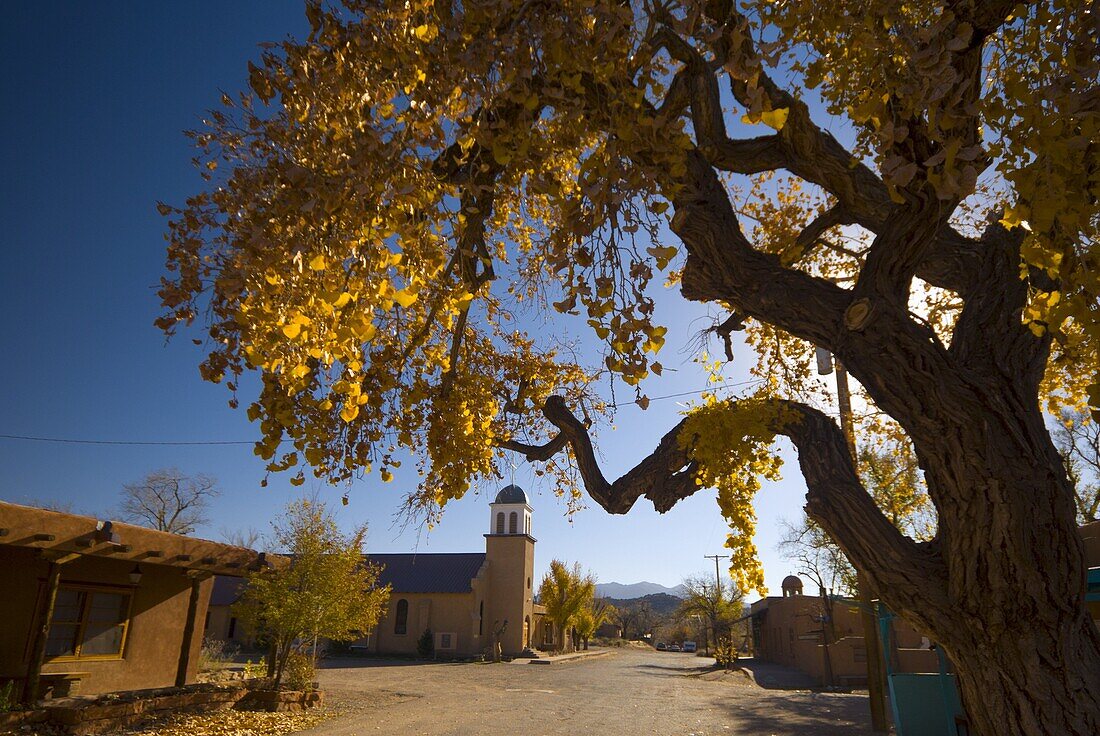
(41, 632)
(189, 629)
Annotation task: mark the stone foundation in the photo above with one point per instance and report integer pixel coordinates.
(79, 716)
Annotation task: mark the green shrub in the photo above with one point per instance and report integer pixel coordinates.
(7, 696)
(425, 645)
(299, 672)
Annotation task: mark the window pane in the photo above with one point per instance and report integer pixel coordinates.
(108, 607)
(100, 639)
(401, 619)
(66, 606)
(61, 641)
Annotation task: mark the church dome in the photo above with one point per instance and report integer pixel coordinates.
(511, 494)
(791, 585)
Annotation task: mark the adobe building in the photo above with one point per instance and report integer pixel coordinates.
(1090, 534)
(93, 606)
(221, 623)
(463, 597)
(793, 630)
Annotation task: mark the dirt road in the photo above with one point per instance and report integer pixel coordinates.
(625, 693)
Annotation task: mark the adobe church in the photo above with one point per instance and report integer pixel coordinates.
(463, 596)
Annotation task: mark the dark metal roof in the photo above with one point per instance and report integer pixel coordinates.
(511, 494)
(226, 590)
(429, 573)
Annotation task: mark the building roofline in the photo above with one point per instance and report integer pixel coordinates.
(57, 534)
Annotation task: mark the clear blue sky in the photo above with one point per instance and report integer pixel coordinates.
(97, 96)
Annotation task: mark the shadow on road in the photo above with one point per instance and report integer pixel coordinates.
(810, 714)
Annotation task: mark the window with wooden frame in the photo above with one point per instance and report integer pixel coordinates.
(88, 623)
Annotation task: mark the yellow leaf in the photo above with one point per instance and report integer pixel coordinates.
(776, 118)
(501, 153)
(1014, 217)
(366, 331)
(317, 263)
(387, 476)
(342, 300)
(349, 412)
(292, 330)
(663, 255)
(404, 297)
(425, 33)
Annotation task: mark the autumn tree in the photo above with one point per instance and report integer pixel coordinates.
(909, 186)
(715, 602)
(169, 500)
(591, 617)
(327, 591)
(566, 592)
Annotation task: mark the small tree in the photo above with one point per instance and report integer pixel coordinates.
(566, 592)
(168, 500)
(248, 537)
(591, 617)
(718, 604)
(327, 590)
(425, 645)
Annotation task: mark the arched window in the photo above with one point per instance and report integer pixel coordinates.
(481, 619)
(401, 621)
(513, 522)
(500, 522)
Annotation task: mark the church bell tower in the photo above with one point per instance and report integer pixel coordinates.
(510, 551)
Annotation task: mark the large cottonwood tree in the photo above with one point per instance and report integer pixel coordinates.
(391, 187)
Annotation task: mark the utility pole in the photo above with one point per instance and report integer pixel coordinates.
(717, 576)
(875, 690)
(717, 595)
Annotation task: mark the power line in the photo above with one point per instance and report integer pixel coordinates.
(690, 393)
(69, 441)
(200, 443)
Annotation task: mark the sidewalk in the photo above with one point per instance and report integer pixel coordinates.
(543, 659)
(776, 676)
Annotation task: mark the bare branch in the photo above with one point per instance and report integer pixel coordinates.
(169, 501)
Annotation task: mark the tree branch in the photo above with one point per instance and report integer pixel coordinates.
(813, 154)
(990, 336)
(835, 499)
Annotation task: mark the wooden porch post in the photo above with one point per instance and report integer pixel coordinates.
(41, 632)
(189, 629)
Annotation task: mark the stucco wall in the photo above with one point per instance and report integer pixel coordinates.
(788, 635)
(511, 567)
(157, 616)
(451, 613)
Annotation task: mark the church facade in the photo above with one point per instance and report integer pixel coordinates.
(462, 598)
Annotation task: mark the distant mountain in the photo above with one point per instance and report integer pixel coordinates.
(623, 591)
(659, 604)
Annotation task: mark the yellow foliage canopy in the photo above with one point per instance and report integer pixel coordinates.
(390, 191)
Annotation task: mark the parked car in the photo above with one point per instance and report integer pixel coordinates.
(689, 646)
(674, 648)
(661, 646)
